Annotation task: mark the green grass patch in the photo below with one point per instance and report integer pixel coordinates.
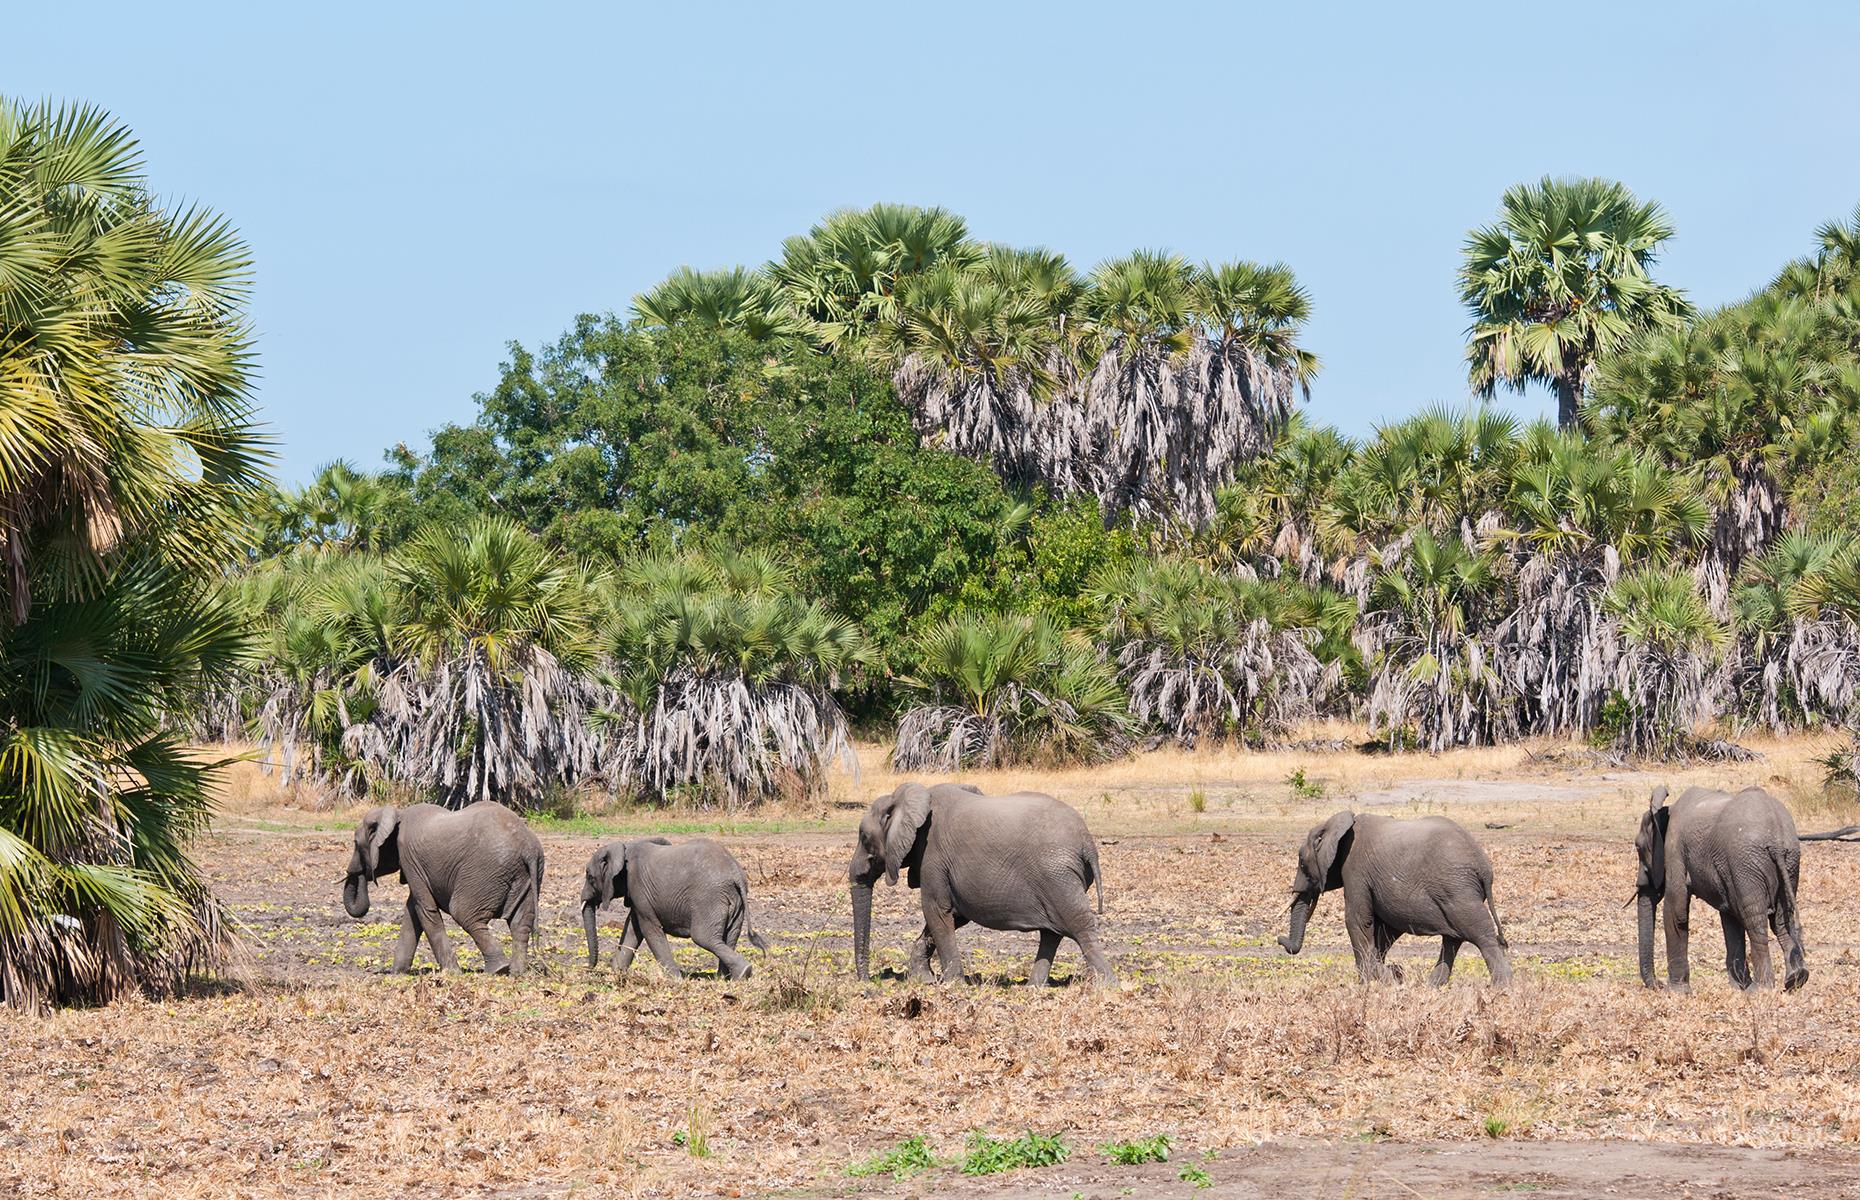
(1137, 1151)
(991, 1156)
(909, 1157)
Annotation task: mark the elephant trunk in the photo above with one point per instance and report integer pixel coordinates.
(1646, 904)
(355, 895)
(1301, 915)
(862, 930)
(587, 925)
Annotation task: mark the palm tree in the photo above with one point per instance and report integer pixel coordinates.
(127, 460)
(1665, 676)
(996, 690)
(1205, 656)
(1561, 279)
(1578, 511)
(1433, 682)
(734, 298)
(843, 274)
(1745, 397)
(1799, 659)
(725, 679)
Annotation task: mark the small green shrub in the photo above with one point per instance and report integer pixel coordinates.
(1197, 800)
(1190, 1173)
(909, 1157)
(991, 1156)
(1137, 1152)
(1495, 1127)
(1303, 786)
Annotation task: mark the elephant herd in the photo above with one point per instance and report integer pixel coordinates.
(1026, 862)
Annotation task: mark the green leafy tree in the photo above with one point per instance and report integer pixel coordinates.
(127, 462)
(1560, 279)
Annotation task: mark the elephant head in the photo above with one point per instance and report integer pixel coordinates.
(890, 840)
(376, 853)
(606, 879)
(1320, 869)
(1650, 887)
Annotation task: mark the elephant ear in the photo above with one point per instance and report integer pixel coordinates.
(1653, 837)
(613, 877)
(382, 823)
(910, 812)
(1333, 844)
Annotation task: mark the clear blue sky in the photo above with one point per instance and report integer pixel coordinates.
(421, 184)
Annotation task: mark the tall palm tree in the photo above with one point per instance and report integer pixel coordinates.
(1799, 660)
(1205, 657)
(1433, 680)
(1666, 675)
(726, 678)
(995, 690)
(127, 459)
(733, 298)
(1576, 512)
(842, 275)
(1559, 280)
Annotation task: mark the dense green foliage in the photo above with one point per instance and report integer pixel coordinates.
(1455, 578)
(127, 459)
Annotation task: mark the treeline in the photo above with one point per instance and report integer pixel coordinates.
(1005, 511)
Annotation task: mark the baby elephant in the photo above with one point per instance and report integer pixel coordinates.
(1426, 877)
(476, 865)
(695, 890)
(1738, 854)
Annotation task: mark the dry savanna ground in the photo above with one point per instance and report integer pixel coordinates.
(316, 1074)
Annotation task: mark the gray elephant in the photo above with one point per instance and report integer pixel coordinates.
(1425, 877)
(476, 865)
(1023, 862)
(1738, 853)
(694, 890)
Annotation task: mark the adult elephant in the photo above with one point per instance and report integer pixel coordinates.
(1738, 853)
(1425, 877)
(695, 889)
(1023, 861)
(478, 864)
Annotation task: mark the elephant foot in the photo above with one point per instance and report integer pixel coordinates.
(1679, 987)
(1795, 979)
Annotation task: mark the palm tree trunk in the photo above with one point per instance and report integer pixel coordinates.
(1568, 399)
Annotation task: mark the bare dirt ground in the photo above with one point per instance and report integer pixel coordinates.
(318, 1075)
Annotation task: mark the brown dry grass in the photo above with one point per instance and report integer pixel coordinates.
(324, 1077)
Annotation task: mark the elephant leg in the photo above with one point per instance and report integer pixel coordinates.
(919, 963)
(1762, 969)
(941, 927)
(1089, 946)
(433, 923)
(629, 946)
(496, 962)
(522, 929)
(654, 933)
(1475, 923)
(729, 962)
(1736, 934)
(1360, 924)
(409, 940)
(1043, 958)
(1385, 939)
(1443, 969)
(1678, 936)
(1794, 956)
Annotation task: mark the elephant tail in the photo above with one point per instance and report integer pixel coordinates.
(1491, 906)
(1094, 876)
(1785, 893)
(745, 926)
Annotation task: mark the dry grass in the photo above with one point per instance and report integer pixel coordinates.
(324, 1077)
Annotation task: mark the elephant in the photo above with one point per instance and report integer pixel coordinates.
(1022, 862)
(1738, 853)
(477, 864)
(695, 890)
(1425, 877)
